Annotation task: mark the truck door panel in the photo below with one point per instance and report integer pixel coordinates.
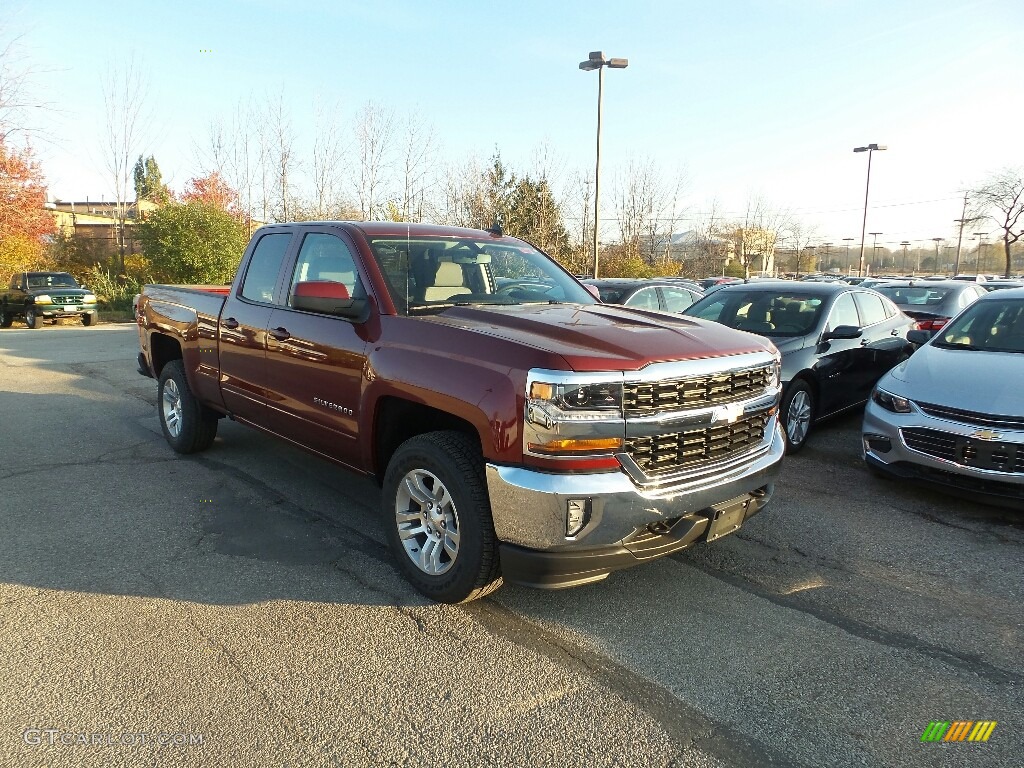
(242, 329)
(315, 362)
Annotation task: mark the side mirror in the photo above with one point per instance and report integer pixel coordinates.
(328, 298)
(592, 289)
(842, 332)
(918, 337)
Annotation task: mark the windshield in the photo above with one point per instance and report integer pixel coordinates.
(430, 274)
(914, 295)
(51, 280)
(989, 326)
(763, 312)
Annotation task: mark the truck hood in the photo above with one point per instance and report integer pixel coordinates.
(602, 337)
(986, 382)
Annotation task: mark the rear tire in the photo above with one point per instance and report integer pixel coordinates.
(6, 320)
(188, 425)
(438, 517)
(33, 320)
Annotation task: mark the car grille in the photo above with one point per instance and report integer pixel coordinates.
(645, 398)
(972, 417)
(680, 450)
(966, 451)
(67, 300)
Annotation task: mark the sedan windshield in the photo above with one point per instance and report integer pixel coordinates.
(768, 313)
(987, 326)
(914, 295)
(431, 274)
(52, 280)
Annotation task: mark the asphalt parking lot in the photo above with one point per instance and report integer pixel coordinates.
(240, 608)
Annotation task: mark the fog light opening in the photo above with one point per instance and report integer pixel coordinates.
(577, 516)
(877, 443)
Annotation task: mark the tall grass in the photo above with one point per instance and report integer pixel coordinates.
(113, 293)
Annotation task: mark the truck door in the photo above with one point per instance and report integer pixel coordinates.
(315, 361)
(242, 330)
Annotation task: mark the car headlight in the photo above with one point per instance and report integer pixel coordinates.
(89, 298)
(43, 298)
(579, 397)
(891, 402)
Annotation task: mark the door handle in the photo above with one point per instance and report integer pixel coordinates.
(281, 334)
(894, 332)
(864, 342)
(230, 323)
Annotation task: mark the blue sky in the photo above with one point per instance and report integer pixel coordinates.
(744, 97)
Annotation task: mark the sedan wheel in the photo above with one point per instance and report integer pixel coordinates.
(797, 413)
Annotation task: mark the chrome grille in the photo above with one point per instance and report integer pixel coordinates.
(966, 451)
(643, 398)
(678, 450)
(972, 417)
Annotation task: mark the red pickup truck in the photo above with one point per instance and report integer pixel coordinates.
(520, 429)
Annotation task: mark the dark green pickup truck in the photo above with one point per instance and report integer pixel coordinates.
(35, 296)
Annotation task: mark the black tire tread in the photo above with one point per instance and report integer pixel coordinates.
(199, 423)
(464, 454)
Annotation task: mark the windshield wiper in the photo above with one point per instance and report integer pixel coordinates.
(949, 345)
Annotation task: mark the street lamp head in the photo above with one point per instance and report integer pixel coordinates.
(869, 147)
(618, 63)
(589, 65)
(596, 56)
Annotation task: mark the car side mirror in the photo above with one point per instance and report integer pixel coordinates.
(328, 298)
(918, 337)
(593, 290)
(842, 332)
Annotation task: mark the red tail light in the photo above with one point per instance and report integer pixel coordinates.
(934, 324)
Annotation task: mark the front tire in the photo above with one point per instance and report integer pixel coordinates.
(32, 319)
(6, 320)
(438, 517)
(88, 319)
(797, 414)
(188, 425)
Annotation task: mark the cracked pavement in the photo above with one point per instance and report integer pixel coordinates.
(246, 594)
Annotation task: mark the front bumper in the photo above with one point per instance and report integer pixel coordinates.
(951, 470)
(58, 310)
(627, 525)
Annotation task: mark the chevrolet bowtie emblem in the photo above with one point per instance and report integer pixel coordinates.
(987, 434)
(730, 414)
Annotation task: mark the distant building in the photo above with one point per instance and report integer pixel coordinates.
(96, 222)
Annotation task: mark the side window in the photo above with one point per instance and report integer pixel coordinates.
(676, 299)
(264, 267)
(870, 307)
(712, 311)
(324, 257)
(645, 298)
(844, 312)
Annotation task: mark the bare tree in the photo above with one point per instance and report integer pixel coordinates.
(418, 158)
(647, 207)
(19, 95)
(374, 128)
(126, 120)
(280, 158)
(328, 154)
(1000, 199)
(756, 236)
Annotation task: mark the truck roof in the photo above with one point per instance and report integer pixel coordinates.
(393, 228)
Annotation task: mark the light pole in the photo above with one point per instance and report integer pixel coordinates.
(874, 249)
(905, 243)
(977, 258)
(596, 60)
(867, 187)
(848, 240)
(828, 256)
(936, 240)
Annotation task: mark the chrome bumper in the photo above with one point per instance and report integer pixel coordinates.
(529, 507)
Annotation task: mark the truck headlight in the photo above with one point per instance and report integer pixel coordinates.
(89, 298)
(43, 298)
(579, 397)
(891, 402)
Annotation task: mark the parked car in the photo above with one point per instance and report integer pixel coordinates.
(953, 414)
(836, 341)
(1002, 284)
(709, 282)
(519, 432)
(931, 303)
(970, 278)
(853, 279)
(39, 296)
(659, 295)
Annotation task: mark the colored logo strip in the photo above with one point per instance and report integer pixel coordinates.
(959, 730)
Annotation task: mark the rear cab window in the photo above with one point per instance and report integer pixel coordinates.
(264, 269)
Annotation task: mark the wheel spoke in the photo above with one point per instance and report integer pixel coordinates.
(451, 543)
(411, 532)
(427, 555)
(416, 489)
